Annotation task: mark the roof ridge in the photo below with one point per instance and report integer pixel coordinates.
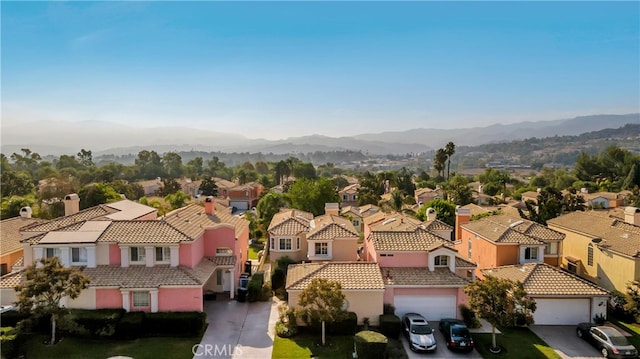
(569, 274)
(320, 266)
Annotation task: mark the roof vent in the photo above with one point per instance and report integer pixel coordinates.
(515, 224)
(625, 235)
(388, 221)
(495, 229)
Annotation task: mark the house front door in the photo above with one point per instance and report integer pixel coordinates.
(226, 281)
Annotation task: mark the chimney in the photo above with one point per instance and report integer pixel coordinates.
(632, 215)
(71, 204)
(463, 215)
(210, 205)
(332, 209)
(25, 212)
(431, 214)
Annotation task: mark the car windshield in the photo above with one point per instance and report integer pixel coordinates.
(460, 332)
(421, 329)
(619, 340)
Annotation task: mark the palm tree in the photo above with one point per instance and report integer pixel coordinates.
(449, 150)
(439, 161)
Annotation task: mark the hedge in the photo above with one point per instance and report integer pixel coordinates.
(390, 325)
(10, 339)
(131, 325)
(95, 323)
(370, 344)
(185, 324)
(11, 318)
(348, 326)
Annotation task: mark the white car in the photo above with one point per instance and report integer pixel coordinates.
(418, 332)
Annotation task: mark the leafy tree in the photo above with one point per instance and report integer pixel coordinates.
(67, 161)
(11, 205)
(404, 181)
(208, 187)
(445, 211)
(439, 161)
(16, 183)
(282, 170)
(45, 286)
(27, 161)
(195, 168)
(371, 188)
(322, 301)
(85, 158)
(632, 304)
(172, 165)
(634, 198)
(132, 191)
(311, 195)
(262, 168)
(449, 149)
(458, 191)
(177, 199)
(500, 302)
(269, 205)
(304, 170)
(149, 164)
(169, 186)
(97, 193)
(214, 167)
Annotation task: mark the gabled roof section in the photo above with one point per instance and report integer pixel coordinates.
(10, 236)
(351, 275)
(544, 279)
(437, 225)
(192, 220)
(617, 236)
(421, 276)
(290, 222)
(351, 189)
(395, 222)
(507, 229)
(142, 232)
(329, 227)
(407, 241)
(139, 276)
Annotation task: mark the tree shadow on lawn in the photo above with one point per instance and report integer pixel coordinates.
(515, 343)
(309, 346)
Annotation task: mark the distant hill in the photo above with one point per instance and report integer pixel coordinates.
(56, 138)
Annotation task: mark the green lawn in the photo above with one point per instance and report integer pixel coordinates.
(304, 345)
(253, 252)
(69, 347)
(515, 343)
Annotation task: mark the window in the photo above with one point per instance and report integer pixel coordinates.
(140, 299)
(356, 223)
(344, 197)
(273, 243)
(163, 254)
(285, 244)
(386, 255)
(590, 254)
(531, 253)
(297, 242)
(441, 261)
(322, 249)
(572, 267)
(78, 255)
(219, 277)
(469, 254)
(137, 254)
(551, 248)
(52, 252)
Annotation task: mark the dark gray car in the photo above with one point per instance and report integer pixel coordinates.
(609, 341)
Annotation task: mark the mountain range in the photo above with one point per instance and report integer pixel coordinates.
(56, 138)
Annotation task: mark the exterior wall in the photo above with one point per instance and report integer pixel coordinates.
(215, 238)
(149, 217)
(597, 308)
(180, 299)
(295, 254)
(11, 258)
(28, 255)
(408, 259)
(115, 258)
(486, 254)
(191, 253)
(241, 251)
(86, 300)
(8, 296)
(103, 255)
(366, 304)
(108, 298)
(554, 261)
(345, 249)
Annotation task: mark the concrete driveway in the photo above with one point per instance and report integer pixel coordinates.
(238, 330)
(564, 340)
(441, 352)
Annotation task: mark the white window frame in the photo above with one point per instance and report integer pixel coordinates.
(549, 248)
(532, 251)
(469, 249)
(321, 248)
(140, 255)
(283, 244)
(165, 254)
(55, 252)
(273, 243)
(437, 261)
(80, 251)
(138, 296)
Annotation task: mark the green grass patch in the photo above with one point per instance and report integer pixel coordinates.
(305, 345)
(70, 348)
(515, 343)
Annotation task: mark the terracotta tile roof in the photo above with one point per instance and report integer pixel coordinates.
(352, 189)
(617, 237)
(203, 271)
(409, 241)
(223, 260)
(437, 225)
(10, 236)
(351, 275)
(11, 280)
(542, 279)
(139, 276)
(351, 210)
(508, 229)
(290, 222)
(331, 227)
(396, 222)
(421, 276)
(192, 220)
(463, 263)
(142, 232)
(374, 218)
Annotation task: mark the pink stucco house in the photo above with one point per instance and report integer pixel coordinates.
(421, 269)
(138, 262)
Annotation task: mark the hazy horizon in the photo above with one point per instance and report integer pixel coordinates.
(276, 70)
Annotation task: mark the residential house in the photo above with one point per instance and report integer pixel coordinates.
(424, 195)
(332, 238)
(421, 270)
(241, 197)
(11, 253)
(349, 195)
(530, 196)
(562, 298)
(287, 235)
(189, 186)
(357, 214)
(151, 187)
(600, 248)
(143, 264)
(603, 200)
(361, 284)
(505, 240)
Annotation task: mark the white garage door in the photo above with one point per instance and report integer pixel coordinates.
(240, 205)
(431, 307)
(561, 311)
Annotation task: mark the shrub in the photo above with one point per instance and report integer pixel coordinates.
(278, 278)
(131, 325)
(390, 325)
(347, 326)
(266, 292)
(469, 316)
(285, 330)
(9, 342)
(12, 318)
(370, 345)
(388, 309)
(599, 319)
(97, 323)
(185, 324)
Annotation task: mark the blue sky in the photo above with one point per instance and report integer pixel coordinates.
(281, 69)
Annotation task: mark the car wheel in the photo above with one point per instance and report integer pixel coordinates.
(579, 333)
(605, 352)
